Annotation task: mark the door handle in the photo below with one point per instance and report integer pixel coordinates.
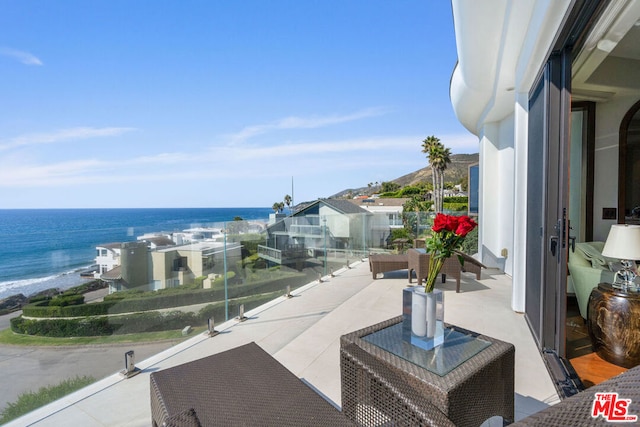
(553, 244)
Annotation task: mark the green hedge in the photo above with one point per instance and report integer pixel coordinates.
(150, 301)
(455, 207)
(65, 300)
(151, 321)
(456, 199)
(96, 326)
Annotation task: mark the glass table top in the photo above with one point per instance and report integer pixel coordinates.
(458, 347)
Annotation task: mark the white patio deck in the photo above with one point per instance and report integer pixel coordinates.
(303, 334)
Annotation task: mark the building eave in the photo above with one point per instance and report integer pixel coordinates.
(501, 45)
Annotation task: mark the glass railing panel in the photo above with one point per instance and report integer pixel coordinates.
(207, 270)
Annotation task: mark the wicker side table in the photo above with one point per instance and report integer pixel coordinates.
(380, 387)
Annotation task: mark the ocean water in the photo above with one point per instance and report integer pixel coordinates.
(48, 248)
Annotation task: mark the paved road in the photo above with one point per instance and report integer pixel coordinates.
(5, 320)
(24, 369)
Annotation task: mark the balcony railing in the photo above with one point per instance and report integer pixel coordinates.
(248, 268)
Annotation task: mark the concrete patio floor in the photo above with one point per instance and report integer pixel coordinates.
(303, 333)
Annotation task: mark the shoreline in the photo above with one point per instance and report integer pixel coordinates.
(32, 286)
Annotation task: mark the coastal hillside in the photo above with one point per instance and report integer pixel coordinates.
(457, 170)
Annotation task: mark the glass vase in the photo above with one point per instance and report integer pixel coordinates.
(423, 317)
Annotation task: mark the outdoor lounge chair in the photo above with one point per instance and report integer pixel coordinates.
(381, 263)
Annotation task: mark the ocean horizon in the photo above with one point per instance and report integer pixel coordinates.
(48, 248)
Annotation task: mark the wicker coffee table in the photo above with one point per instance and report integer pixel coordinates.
(379, 386)
(244, 386)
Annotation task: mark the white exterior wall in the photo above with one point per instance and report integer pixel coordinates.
(519, 252)
(497, 194)
(106, 262)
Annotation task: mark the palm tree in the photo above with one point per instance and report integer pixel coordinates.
(276, 207)
(428, 147)
(287, 200)
(439, 157)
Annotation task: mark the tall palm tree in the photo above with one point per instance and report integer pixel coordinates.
(428, 147)
(440, 157)
(276, 207)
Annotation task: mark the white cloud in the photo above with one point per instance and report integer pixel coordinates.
(24, 57)
(304, 123)
(391, 156)
(62, 136)
(43, 175)
(357, 146)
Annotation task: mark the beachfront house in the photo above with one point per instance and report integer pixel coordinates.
(551, 90)
(133, 270)
(107, 258)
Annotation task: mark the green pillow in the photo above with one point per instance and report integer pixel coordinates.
(593, 255)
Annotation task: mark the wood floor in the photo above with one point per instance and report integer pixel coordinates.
(593, 370)
(588, 365)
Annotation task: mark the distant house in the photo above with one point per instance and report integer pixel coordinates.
(133, 268)
(156, 262)
(179, 265)
(159, 242)
(107, 258)
(353, 225)
(387, 211)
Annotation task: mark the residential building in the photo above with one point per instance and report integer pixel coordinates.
(336, 224)
(107, 258)
(551, 90)
(180, 265)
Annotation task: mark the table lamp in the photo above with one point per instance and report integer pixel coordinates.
(623, 243)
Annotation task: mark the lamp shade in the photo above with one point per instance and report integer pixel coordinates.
(623, 242)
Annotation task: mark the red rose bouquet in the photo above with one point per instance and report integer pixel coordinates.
(449, 232)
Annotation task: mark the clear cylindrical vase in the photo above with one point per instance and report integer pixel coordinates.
(423, 317)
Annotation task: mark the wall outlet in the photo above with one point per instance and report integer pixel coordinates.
(504, 252)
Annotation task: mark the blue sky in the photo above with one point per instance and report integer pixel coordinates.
(218, 103)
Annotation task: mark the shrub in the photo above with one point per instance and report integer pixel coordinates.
(390, 195)
(67, 299)
(455, 207)
(220, 280)
(456, 199)
(39, 298)
(410, 191)
(399, 233)
(29, 401)
(470, 244)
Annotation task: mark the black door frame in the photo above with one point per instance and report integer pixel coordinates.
(548, 228)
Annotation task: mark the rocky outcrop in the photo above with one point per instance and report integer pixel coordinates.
(12, 303)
